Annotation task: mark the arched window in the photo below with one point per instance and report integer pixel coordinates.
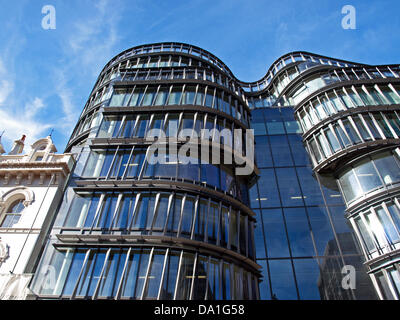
(13, 214)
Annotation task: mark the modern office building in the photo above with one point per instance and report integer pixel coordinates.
(318, 211)
(31, 187)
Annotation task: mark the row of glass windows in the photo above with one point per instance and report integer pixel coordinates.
(270, 97)
(379, 228)
(179, 95)
(290, 187)
(388, 280)
(136, 163)
(353, 130)
(182, 125)
(173, 47)
(307, 62)
(120, 73)
(89, 121)
(316, 82)
(341, 99)
(273, 121)
(172, 214)
(370, 173)
(148, 273)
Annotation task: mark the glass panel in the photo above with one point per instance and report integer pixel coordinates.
(387, 167)
(275, 233)
(154, 277)
(170, 273)
(74, 272)
(200, 279)
(387, 225)
(185, 276)
(367, 175)
(350, 186)
(299, 232)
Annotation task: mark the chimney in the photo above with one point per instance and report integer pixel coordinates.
(18, 146)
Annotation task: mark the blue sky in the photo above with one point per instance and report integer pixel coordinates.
(47, 75)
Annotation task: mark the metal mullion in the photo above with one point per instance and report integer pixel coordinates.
(339, 121)
(137, 200)
(357, 94)
(364, 88)
(394, 90)
(112, 163)
(118, 294)
(355, 73)
(219, 223)
(349, 98)
(371, 234)
(390, 284)
(232, 284)
(139, 103)
(194, 125)
(117, 208)
(352, 123)
(128, 164)
(362, 241)
(99, 207)
(144, 163)
(118, 163)
(213, 99)
(220, 278)
(385, 208)
(181, 216)
(146, 279)
(379, 71)
(196, 207)
(369, 76)
(366, 126)
(178, 274)
(377, 126)
(376, 87)
(135, 126)
(207, 277)
(340, 100)
(389, 125)
(155, 95)
(322, 133)
(130, 97)
(96, 290)
(171, 196)
(80, 273)
(238, 214)
(156, 204)
(393, 73)
(163, 273)
(196, 258)
(388, 241)
(330, 127)
(246, 226)
(206, 222)
(179, 124)
(229, 228)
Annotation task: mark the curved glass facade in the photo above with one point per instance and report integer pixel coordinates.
(155, 223)
(322, 195)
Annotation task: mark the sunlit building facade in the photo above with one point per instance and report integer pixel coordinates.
(128, 228)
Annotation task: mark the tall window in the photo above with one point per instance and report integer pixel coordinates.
(13, 214)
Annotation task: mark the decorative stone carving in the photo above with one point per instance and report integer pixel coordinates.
(4, 251)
